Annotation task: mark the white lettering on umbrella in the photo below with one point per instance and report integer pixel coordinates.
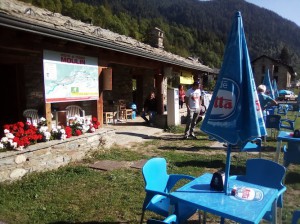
(226, 100)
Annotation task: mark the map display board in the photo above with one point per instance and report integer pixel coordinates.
(70, 77)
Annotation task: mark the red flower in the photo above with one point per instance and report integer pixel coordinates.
(14, 127)
(78, 132)
(20, 124)
(6, 126)
(68, 131)
(94, 119)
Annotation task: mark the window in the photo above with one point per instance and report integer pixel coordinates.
(133, 84)
(263, 69)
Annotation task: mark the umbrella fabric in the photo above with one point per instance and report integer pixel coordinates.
(285, 92)
(234, 114)
(268, 84)
(275, 89)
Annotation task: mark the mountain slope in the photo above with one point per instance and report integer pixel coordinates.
(192, 28)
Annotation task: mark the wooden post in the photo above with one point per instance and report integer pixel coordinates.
(102, 65)
(48, 115)
(159, 93)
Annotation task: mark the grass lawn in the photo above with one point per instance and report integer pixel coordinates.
(78, 194)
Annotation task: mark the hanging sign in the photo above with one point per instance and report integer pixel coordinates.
(70, 77)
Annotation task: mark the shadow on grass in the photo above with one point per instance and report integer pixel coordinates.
(91, 222)
(201, 163)
(190, 148)
(217, 164)
(171, 137)
(136, 135)
(292, 178)
(268, 149)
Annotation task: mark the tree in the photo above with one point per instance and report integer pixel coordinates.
(285, 56)
(66, 6)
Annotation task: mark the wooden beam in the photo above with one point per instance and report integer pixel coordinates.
(159, 92)
(101, 64)
(48, 115)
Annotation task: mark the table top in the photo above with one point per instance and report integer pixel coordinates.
(248, 205)
(287, 137)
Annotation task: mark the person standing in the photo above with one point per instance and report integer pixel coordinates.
(193, 103)
(181, 95)
(264, 100)
(150, 108)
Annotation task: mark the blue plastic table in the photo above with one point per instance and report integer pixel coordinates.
(284, 136)
(244, 209)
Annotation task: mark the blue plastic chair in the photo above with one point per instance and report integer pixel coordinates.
(271, 110)
(273, 122)
(291, 154)
(252, 146)
(265, 173)
(296, 217)
(170, 220)
(289, 124)
(158, 184)
(282, 109)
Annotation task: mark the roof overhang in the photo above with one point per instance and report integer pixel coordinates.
(22, 25)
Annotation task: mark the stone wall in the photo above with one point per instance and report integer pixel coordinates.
(283, 76)
(34, 83)
(51, 155)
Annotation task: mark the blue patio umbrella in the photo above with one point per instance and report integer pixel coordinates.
(284, 92)
(275, 89)
(268, 84)
(234, 114)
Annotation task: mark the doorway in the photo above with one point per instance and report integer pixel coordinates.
(137, 92)
(10, 82)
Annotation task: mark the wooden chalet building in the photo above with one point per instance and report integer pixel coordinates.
(38, 49)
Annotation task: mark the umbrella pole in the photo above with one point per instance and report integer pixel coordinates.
(227, 169)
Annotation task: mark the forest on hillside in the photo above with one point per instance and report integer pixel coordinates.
(192, 28)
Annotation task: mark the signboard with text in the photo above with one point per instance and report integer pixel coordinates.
(70, 77)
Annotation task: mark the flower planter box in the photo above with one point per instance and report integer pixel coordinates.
(52, 154)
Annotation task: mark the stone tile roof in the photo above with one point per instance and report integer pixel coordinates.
(42, 17)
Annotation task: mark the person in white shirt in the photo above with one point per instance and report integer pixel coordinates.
(193, 102)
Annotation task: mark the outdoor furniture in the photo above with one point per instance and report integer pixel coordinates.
(271, 110)
(31, 116)
(241, 207)
(289, 124)
(282, 109)
(170, 219)
(268, 174)
(291, 154)
(124, 112)
(109, 117)
(74, 110)
(284, 136)
(296, 217)
(273, 122)
(158, 184)
(252, 146)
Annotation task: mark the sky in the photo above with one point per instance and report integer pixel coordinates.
(288, 9)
